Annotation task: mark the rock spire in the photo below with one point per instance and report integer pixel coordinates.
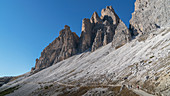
(96, 32)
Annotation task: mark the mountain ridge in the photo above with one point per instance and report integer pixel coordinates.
(96, 32)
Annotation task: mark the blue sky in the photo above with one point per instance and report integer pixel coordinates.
(28, 26)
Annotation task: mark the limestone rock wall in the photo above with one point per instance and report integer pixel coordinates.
(86, 35)
(149, 15)
(122, 35)
(61, 48)
(111, 29)
(96, 32)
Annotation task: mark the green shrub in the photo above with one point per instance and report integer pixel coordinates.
(9, 90)
(150, 62)
(46, 87)
(151, 56)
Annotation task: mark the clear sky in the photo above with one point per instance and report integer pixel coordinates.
(28, 26)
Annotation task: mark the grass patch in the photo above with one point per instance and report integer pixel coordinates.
(150, 62)
(83, 89)
(9, 90)
(46, 87)
(51, 85)
(118, 46)
(149, 87)
(127, 92)
(151, 57)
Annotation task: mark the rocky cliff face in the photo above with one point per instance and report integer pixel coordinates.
(86, 35)
(149, 15)
(108, 28)
(61, 48)
(122, 35)
(96, 32)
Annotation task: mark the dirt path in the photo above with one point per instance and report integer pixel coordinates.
(141, 93)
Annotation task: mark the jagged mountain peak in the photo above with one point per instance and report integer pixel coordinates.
(96, 32)
(108, 8)
(95, 18)
(61, 48)
(110, 15)
(66, 27)
(85, 24)
(66, 30)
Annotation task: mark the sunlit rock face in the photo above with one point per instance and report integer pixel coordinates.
(96, 32)
(86, 35)
(122, 35)
(110, 29)
(61, 48)
(149, 15)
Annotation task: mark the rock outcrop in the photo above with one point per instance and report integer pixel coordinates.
(109, 15)
(149, 15)
(122, 35)
(98, 42)
(86, 35)
(61, 48)
(96, 32)
(112, 29)
(95, 19)
(4, 80)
